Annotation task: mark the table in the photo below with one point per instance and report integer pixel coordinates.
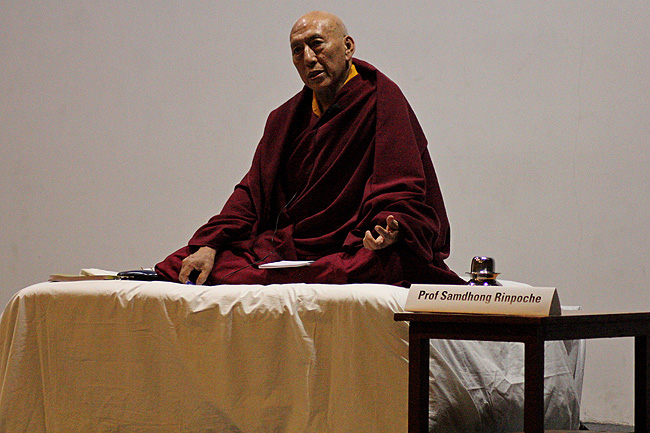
(533, 332)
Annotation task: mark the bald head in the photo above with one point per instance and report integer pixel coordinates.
(330, 21)
(322, 53)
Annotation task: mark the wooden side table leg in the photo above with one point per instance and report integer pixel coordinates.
(534, 386)
(418, 417)
(642, 384)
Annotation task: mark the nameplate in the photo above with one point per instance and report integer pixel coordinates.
(513, 300)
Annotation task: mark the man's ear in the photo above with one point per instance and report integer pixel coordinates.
(349, 47)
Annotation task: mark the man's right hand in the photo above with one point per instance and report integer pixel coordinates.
(202, 261)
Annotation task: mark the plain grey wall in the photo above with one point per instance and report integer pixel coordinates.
(125, 126)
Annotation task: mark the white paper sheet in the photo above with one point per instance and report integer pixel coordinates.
(286, 264)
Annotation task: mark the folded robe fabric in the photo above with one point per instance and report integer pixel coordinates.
(316, 185)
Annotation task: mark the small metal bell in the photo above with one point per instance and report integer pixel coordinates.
(482, 272)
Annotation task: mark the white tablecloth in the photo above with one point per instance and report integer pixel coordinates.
(127, 357)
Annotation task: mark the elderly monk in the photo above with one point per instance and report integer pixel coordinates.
(341, 177)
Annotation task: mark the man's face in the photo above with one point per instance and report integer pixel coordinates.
(321, 53)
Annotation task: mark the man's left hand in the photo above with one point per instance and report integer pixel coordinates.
(387, 236)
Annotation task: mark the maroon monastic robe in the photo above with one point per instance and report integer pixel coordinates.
(317, 184)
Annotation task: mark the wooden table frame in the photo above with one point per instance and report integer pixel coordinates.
(533, 332)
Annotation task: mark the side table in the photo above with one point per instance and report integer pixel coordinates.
(533, 332)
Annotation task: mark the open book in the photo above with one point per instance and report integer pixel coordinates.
(86, 274)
